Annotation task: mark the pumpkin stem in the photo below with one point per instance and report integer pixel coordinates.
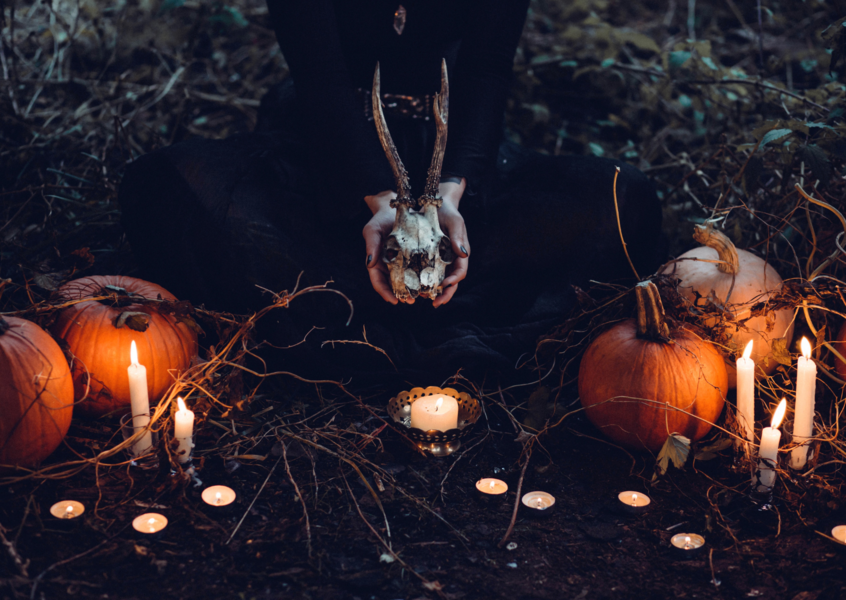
(708, 236)
(4, 326)
(651, 322)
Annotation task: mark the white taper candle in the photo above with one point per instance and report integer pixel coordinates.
(183, 431)
(803, 420)
(139, 400)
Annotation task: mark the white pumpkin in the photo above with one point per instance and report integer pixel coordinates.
(713, 267)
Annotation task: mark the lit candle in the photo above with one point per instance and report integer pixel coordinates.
(634, 502)
(183, 431)
(803, 418)
(67, 509)
(218, 495)
(149, 523)
(437, 412)
(539, 503)
(768, 453)
(491, 489)
(687, 544)
(139, 400)
(746, 393)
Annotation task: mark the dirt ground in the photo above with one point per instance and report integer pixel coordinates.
(333, 502)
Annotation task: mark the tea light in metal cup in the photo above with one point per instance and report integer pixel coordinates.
(67, 509)
(634, 503)
(490, 489)
(538, 504)
(839, 534)
(687, 545)
(150, 524)
(218, 495)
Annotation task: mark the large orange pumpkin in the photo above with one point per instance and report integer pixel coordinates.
(99, 341)
(634, 375)
(36, 394)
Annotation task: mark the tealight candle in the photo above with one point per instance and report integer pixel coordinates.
(139, 400)
(803, 419)
(687, 544)
(67, 509)
(149, 523)
(839, 533)
(218, 495)
(438, 412)
(538, 503)
(746, 394)
(768, 452)
(183, 431)
(634, 503)
(491, 489)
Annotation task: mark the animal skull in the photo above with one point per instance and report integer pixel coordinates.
(417, 251)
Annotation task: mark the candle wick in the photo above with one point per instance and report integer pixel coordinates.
(687, 543)
(217, 498)
(634, 499)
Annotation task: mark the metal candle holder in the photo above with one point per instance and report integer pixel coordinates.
(437, 443)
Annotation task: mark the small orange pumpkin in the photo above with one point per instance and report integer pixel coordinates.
(634, 374)
(99, 337)
(36, 394)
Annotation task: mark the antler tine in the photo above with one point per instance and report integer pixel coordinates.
(400, 174)
(441, 106)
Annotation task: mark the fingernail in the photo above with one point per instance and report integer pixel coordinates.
(369, 258)
(464, 250)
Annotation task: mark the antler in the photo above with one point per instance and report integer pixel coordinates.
(400, 174)
(441, 106)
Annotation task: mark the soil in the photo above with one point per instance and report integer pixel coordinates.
(585, 547)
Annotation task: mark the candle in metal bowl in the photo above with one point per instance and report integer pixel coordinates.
(538, 504)
(633, 503)
(687, 545)
(490, 489)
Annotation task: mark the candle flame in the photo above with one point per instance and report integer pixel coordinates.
(634, 499)
(806, 348)
(493, 483)
(747, 353)
(181, 403)
(687, 542)
(540, 502)
(217, 497)
(438, 404)
(779, 413)
(133, 354)
(151, 522)
(69, 511)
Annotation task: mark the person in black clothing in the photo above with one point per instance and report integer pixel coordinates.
(215, 221)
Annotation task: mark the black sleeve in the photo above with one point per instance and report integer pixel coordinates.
(339, 135)
(479, 87)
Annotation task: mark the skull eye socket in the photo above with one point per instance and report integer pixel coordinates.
(391, 250)
(445, 250)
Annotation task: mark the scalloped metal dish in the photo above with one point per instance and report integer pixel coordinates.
(438, 443)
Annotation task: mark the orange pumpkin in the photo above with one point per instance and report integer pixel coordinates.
(718, 267)
(633, 376)
(99, 337)
(36, 394)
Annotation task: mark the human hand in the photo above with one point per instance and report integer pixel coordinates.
(377, 229)
(452, 224)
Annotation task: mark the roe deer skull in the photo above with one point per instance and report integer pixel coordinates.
(417, 252)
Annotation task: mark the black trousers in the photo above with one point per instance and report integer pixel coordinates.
(214, 221)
